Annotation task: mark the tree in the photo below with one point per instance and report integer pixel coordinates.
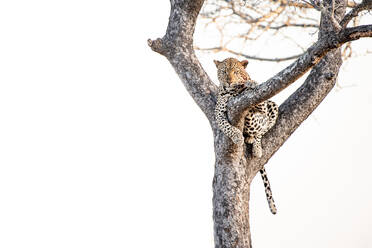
(235, 167)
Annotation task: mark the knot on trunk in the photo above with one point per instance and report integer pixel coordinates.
(157, 45)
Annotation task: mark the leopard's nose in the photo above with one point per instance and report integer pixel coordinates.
(230, 76)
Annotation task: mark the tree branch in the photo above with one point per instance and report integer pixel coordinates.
(217, 49)
(301, 104)
(305, 99)
(298, 4)
(295, 70)
(364, 5)
(286, 25)
(177, 47)
(263, 59)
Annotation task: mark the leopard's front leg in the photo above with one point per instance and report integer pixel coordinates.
(220, 113)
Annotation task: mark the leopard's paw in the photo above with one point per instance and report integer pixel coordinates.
(249, 140)
(257, 150)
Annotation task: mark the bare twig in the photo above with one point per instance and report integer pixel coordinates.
(218, 49)
(329, 13)
(286, 25)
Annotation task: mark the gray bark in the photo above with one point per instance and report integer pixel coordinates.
(235, 168)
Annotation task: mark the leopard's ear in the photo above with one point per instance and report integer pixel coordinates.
(244, 63)
(216, 62)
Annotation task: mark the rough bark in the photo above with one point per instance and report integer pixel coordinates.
(231, 201)
(234, 167)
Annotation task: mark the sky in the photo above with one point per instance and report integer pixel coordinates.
(101, 146)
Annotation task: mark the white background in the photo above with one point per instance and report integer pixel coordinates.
(101, 146)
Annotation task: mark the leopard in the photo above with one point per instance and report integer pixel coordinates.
(259, 119)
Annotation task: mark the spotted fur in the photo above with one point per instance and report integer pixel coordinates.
(258, 121)
(269, 194)
(260, 118)
(220, 113)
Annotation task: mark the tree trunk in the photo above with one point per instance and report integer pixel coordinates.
(231, 206)
(231, 190)
(231, 187)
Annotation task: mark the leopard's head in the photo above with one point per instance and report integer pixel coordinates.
(231, 72)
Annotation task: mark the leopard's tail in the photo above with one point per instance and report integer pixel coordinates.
(269, 194)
